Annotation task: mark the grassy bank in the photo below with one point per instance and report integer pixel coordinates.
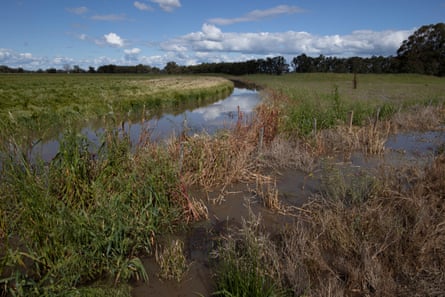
(40, 102)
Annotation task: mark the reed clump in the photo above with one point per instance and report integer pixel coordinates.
(247, 263)
(172, 262)
(84, 217)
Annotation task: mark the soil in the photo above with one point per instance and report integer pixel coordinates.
(294, 186)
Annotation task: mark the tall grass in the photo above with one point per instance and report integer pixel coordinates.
(246, 264)
(84, 217)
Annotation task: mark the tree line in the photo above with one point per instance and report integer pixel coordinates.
(423, 52)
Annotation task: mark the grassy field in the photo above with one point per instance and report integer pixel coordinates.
(329, 98)
(40, 102)
(80, 224)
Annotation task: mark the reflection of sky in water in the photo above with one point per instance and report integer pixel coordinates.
(221, 114)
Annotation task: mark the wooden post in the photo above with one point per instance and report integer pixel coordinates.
(355, 80)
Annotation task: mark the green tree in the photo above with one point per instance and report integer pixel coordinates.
(424, 51)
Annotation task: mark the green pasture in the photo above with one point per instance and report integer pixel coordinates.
(328, 98)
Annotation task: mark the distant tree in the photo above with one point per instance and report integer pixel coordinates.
(172, 68)
(424, 51)
(91, 69)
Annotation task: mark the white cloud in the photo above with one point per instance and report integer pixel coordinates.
(109, 17)
(142, 6)
(167, 5)
(14, 59)
(211, 32)
(360, 43)
(133, 51)
(256, 15)
(113, 39)
(78, 10)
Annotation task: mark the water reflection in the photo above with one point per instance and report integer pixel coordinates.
(221, 114)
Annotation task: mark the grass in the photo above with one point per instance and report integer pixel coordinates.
(42, 103)
(81, 223)
(84, 217)
(364, 236)
(328, 98)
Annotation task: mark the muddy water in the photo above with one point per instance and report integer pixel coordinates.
(295, 187)
(220, 114)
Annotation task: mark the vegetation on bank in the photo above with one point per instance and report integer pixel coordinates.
(40, 102)
(81, 223)
(320, 100)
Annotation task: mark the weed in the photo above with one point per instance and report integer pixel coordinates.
(244, 264)
(172, 261)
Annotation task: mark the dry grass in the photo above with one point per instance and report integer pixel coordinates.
(391, 244)
(284, 153)
(171, 260)
(369, 139)
(266, 190)
(419, 118)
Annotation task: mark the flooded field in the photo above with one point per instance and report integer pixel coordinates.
(229, 207)
(292, 201)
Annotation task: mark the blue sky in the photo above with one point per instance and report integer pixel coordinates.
(52, 33)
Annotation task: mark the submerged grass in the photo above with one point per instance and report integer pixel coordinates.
(364, 236)
(84, 217)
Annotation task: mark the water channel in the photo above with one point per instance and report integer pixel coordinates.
(221, 114)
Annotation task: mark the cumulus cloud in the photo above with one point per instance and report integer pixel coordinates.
(167, 5)
(359, 43)
(131, 55)
(256, 15)
(142, 6)
(113, 39)
(15, 59)
(78, 10)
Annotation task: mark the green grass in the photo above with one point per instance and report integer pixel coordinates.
(329, 97)
(39, 102)
(83, 217)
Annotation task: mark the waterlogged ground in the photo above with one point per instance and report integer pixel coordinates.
(228, 207)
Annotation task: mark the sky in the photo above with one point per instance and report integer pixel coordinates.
(41, 34)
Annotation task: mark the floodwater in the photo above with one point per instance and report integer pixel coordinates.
(221, 114)
(295, 188)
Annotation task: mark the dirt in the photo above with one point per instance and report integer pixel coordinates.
(227, 209)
